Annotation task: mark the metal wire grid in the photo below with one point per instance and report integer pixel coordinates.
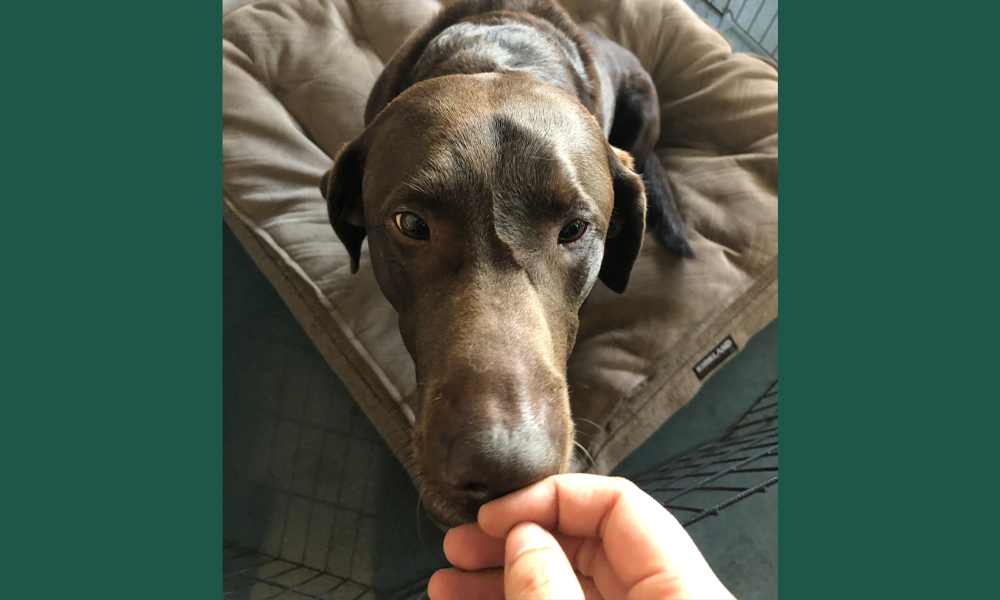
(741, 463)
(752, 25)
(306, 461)
(759, 19)
(249, 574)
(255, 576)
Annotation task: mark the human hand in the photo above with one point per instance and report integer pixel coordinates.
(612, 540)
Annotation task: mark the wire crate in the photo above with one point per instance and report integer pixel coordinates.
(741, 463)
(750, 25)
(247, 574)
(697, 485)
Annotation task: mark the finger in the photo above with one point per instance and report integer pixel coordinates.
(590, 591)
(456, 584)
(640, 538)
(574, 504)
(570, 545)
(468, 547)
(651, 553)
(591, 561)
(536, 567)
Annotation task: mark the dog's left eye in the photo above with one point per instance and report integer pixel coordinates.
(413, 226)
(572, 231)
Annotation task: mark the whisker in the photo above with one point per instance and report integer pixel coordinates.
(420, 534)
(585, 452)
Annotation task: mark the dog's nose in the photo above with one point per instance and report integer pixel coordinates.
(488, 464)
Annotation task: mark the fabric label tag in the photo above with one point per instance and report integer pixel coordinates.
(715, 357)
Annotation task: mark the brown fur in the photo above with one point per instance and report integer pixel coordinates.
(497, 151)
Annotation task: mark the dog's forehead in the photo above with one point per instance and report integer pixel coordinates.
(465, 134)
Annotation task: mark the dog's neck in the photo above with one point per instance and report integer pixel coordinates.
(505, 42)
(534, 38)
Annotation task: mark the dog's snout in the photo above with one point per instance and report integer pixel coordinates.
(485, 465)
(495, 413)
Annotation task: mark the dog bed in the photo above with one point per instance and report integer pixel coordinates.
(296, 76)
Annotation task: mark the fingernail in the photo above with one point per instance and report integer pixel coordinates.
(524, 537)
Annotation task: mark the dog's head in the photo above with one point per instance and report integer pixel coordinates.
(492, 203)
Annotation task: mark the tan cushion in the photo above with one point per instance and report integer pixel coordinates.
(296, 75)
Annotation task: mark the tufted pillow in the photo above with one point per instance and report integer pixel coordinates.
(296, 76)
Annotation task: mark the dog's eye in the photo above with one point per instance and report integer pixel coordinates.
(413, 226)
(572, 231)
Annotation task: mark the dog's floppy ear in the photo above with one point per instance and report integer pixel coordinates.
(341, 186)
(628, 222)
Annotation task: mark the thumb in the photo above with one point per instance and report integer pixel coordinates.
(536, 567)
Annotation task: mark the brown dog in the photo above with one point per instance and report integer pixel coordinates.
(493, 201)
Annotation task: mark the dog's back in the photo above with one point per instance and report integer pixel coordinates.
(504, 42)
(536, 37)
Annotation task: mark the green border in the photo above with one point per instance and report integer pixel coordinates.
(888, 115)
(111, 263)
(112, 332)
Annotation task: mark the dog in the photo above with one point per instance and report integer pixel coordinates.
(495, 183)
